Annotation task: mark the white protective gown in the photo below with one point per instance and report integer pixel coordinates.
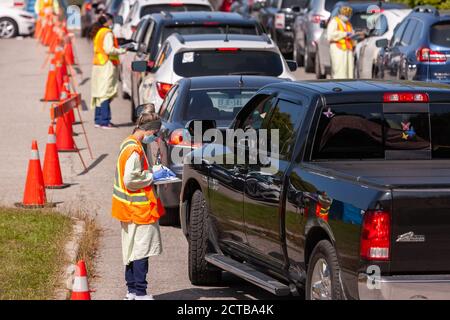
(342, 61)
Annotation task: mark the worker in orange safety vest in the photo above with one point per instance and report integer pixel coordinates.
(341, 37)
(136, 205)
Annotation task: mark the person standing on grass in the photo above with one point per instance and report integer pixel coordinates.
(136, 205)
(105, 75)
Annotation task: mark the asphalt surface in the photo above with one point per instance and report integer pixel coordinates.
(24, 117)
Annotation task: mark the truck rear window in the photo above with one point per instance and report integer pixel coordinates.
(440, 34)
(367, 131)
(157, 8)
(216, 62)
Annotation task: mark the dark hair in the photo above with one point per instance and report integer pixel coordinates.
(146, 118)
(100, 23)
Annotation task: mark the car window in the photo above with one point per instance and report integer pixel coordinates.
(164, 53)
(168, 110)
(398, 32)
(149, 36)
(224, 61)
(175, 7)
(417, 35)
(135, 34)
(408, 34)
(166, 101)
(379, 26)
(148, 30)
(256, 116)
(440, 34)
(286, 118)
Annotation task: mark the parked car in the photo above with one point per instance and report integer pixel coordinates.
(112, 7)
(366, 51)
(277, 17)
(211, 54)
(307, 31)
(142, 8)
(419, 48)
(154, 30)
(215, 97)
(359, 193)
(123, 12)
(14, 21)
(359, 22)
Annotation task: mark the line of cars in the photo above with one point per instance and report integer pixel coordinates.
(15, 20)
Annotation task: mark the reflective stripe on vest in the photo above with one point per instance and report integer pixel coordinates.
(346, 43)
(100, 56)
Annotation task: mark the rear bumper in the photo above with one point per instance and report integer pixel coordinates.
(404, 287)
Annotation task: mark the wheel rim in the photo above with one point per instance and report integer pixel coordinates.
(6, 29)
(321, 281)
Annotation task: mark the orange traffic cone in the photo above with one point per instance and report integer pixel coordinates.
(80, 287)
(68, 52)
(51, 88)
(48, 34)
(34, 194)
(52, 170)
(64, 134)
(60, 67)
(65, 94)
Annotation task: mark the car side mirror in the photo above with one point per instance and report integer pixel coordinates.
(292, 65)
(205, 125)
(118, 20)
(323, 24)
(139, 66)
(381, 43)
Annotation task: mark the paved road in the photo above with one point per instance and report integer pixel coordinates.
(24, 118)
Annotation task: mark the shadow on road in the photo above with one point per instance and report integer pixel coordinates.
(84, 81)
(94, 164)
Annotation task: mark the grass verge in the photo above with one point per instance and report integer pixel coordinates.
(31, 252)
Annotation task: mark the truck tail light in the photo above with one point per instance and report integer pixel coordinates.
(375, 235)
(428, 55)
(163, 89)
(176, 4)
(181, 138)
(392, 97)
(227, 49)
(280, 21)
(316, 18)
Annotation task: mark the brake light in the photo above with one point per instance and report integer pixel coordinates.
(280, 21)
(19, 4)
(88, 6)
(428, 55)
(375, 236)
(391, 97)
(316, 18)
(163, 88)
(150, 63)
(210, 23)
(181, 138)
(176, 4)
(227, 49)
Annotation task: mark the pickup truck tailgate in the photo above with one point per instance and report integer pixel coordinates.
(421, 230)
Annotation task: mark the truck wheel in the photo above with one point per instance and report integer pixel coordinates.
(322, 281)
(171, 218)
(200, 273)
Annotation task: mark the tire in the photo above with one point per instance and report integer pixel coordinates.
(297, 56)
(133, 111)
(324, 252)
(200, 272)
(8, 28)
(171, 218)
(309, 62)
(319, 74)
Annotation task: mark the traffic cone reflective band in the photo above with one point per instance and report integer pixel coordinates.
(34, 194)
(80, 287)
(65, 94)
(64, 134)
(51, 87)
(52, 170)
(68, 52)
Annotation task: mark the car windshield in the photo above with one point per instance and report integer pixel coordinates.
(370, 131)
(440, 34)
(221, 105)
(225, 61)
(208, 29)
(175, 7)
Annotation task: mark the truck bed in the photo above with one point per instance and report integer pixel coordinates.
(392, 173)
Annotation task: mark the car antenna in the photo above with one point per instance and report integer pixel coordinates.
(226, 33)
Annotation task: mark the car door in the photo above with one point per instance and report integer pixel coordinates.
(394, 51)
(227, 179)
(264, 183)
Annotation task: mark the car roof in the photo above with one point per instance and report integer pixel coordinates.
(363, 5)
(211, 82)
(345, 91)
(199, 17)
(156, 2)
(221, 41)
(429, 14)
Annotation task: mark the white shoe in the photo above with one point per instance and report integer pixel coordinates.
(146, 297)
(130, 296)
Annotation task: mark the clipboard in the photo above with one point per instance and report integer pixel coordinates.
(167, 181)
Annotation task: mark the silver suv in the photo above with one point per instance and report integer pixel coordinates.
(307, 31)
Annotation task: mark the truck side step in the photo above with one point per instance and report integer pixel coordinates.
(248, 273)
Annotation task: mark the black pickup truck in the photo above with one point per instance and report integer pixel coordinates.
(357, 208)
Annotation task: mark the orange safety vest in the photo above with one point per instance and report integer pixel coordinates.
(346, 43)
(140, 206)
(100, 56)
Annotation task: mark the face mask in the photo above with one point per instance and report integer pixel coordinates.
(149, 139)
(343, 18)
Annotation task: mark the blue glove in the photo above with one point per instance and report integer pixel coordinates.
(160, 174)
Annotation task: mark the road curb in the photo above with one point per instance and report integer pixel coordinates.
(71, 251)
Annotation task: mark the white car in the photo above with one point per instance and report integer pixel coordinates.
(211, 54)
(15, 21)
(366, 51)
(124, 10)
(141, 8)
